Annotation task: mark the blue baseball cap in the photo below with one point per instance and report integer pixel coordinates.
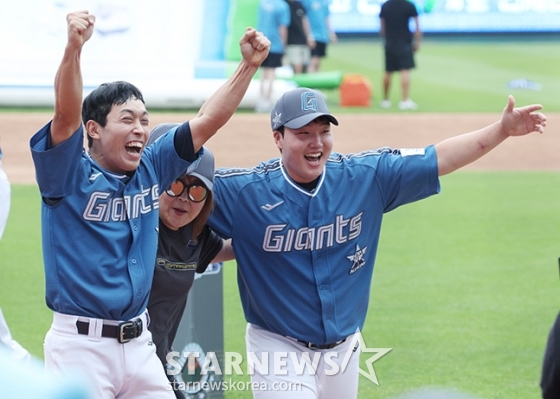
(297, 107)
(204, 168)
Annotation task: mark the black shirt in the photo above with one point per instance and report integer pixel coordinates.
(179, 255)
(397, 14)
(296, 33)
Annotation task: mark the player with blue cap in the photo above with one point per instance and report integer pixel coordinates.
(305, 229)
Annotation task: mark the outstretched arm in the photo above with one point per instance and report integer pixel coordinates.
(217, 110)
(68, 84)
(458, 151)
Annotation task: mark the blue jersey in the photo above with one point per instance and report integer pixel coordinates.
(305, 259)
(99, 229)
(273, 14)
(317, 14)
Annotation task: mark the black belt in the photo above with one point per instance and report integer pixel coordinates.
(123, 332)
(324, 346)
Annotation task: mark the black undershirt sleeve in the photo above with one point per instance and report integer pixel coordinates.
(212, 245)
(183, 143)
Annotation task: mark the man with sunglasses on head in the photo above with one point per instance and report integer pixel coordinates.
(185, 245)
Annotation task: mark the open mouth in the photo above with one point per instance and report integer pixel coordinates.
(134, 147)
(313, 158)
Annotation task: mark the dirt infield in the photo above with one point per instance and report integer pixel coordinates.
(247, 139)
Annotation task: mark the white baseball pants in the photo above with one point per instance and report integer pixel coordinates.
(296, 372)
(125, 371)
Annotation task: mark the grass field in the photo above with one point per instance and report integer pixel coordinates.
(465, 287)
(466, 284)
(455, 75)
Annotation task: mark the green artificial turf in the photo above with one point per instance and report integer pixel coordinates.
(465, 286)
(454, 74)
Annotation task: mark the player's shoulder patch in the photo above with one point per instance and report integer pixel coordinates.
(406, 152)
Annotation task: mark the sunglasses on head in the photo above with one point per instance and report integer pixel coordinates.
(196, 192)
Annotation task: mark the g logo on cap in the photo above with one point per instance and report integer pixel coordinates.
(308, 101)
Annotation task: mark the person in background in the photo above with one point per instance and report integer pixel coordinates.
(318, 14)
(12, 347)
(550, 372)
(273, 20)
(300, 39)
(5, 195)
(22, 380)
(399, 45)
(185, 245)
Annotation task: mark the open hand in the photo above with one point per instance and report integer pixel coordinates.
(523, 120)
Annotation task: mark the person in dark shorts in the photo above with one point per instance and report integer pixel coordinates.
(273, 18)
(550, 374)
(400, 46)
(318, 14)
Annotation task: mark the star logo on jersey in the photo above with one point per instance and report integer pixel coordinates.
(276, 120)
(357, 259)
(377, 353)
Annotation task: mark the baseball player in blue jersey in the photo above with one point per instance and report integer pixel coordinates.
(318, 14)
(305, 229)
(273, 19)
(100, 215)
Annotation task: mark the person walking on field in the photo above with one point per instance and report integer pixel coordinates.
(305, 229)
(318, 14)
(273, 20)
(99, 215)
(399, 45)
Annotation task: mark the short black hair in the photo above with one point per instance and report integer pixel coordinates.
(319, 119)
(98, 103)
